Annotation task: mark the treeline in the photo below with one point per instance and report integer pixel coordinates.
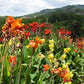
(70, 21)
(73, 22)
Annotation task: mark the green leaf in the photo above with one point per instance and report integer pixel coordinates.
(39, 82)
(33, 76)
(6, 68)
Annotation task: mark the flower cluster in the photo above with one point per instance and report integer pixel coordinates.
(46, 67)
(80, 43)
(63, 72)
(62, 31)
(51, 47)
(35, 43)
(35, 26)
(47, 31)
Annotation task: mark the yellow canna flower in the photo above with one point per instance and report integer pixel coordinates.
(51, 41)
(69, 82)
(12, 41)
(28, 46)
(65, 66)
(63, 56)
(70, 75)
(40, 56)
(1, 46)
(43, 40)
(66, 50)
(51, 57)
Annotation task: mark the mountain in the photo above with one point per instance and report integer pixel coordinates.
(77, 9)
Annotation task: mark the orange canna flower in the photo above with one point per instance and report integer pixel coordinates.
(37, 39)
(54, 34)
(63, 73)
(46, 67)
(42, 25)
(12, 59)
(10, 19)
(30, 24)
(58, 70)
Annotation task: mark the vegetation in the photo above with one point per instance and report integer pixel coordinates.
(35, 54)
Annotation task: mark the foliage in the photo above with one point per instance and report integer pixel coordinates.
(41, 56)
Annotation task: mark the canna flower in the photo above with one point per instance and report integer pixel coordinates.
(42, 40)
(0, 39)
(28, 46)
(66, 50)
(69, 82)
(47, 31)
(26, 27)
(12, 41)
(51, 41)
(51, 57)
(63, 73)
(63, 56)
(12, 59)
(27, 35)
(69, 75)
(65, 66)
(40, 56)
(56, 71)
(42, 25)
(1, 45)
(51, 45)
(46, 67)
(37, 39)
(75, 51)
(10, 19)
(35, 43)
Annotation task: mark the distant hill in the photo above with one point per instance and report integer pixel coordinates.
(77, 9)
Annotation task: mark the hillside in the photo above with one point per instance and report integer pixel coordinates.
(77, 9)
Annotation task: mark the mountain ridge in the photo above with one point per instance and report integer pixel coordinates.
(77, 9)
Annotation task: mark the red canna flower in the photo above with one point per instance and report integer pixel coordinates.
(47, 25)
(47, 31)
(0, 39)
(27, 35)
(77, 39)
(33, 30)
(46, 67)
(26, 27)
(75, 51)
(64, 80)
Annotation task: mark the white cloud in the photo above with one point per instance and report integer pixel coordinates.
(23, 7)
(77, 2)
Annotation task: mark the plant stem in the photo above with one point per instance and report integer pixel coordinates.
(20, 65)
(2, 72)
(41, 75)
(11, 76)
(31, 58)
(29, 65)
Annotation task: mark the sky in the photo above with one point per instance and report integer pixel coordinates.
(24, 7)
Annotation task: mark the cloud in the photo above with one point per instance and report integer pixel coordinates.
(23, 7)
